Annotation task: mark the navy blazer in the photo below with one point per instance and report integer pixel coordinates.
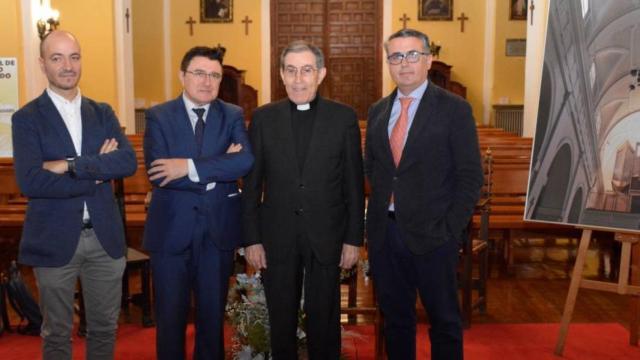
(437, 182)
(174, 207)
(55, 209)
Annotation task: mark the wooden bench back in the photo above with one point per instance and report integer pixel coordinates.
(8, 184)
(509, 182)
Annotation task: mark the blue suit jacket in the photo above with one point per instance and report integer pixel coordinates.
(174, 207)
(54, 213)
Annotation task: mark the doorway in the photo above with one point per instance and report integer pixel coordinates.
(350, 36)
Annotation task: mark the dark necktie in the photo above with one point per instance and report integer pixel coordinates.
(199, 130)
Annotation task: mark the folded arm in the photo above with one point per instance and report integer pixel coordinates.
(231, 165)
(169, 172)
(62, 166)
(114, 160)
(34, 180)
(156, 152)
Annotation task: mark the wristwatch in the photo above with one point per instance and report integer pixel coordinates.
(71, 167)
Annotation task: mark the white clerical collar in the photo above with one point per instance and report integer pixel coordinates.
(303, 107)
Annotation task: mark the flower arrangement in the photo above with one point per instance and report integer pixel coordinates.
(247, 312)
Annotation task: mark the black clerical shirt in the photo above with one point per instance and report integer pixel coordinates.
(302, 126)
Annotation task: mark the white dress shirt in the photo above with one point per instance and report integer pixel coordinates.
(72, 117)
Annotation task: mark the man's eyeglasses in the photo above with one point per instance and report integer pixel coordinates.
(412, 56)
(305, 71)
(201, 75)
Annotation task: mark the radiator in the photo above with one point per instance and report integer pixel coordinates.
(509, 118)
(140, 121)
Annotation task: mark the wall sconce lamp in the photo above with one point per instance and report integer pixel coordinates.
(49, 19)
(435, 49)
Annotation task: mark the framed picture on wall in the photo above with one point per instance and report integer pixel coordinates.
(518, 10)
(435, 10)
(516, 47)
(216, 11)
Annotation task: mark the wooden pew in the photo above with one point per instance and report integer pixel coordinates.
(8, 185)
(137, 187)
(13, 208)
(509, 181)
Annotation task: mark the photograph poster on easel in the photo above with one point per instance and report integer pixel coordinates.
(585, 163)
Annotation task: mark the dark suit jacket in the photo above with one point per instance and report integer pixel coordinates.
(174, 207)
(438, 180)
(326, 195)
(54, 213)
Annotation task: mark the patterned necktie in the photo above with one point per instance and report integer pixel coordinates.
(399, 132)
(199, 130)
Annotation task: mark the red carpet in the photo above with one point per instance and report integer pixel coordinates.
(482, 341)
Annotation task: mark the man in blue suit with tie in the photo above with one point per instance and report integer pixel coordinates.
(196, 148)
(66, 150)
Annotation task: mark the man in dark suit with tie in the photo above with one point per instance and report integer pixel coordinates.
(195, 149)
(423, 163)
(67, 148)
(303, 203)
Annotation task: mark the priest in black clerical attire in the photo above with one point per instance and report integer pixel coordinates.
(303, 205)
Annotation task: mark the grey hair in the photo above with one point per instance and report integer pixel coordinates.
(405, 33)
(298, 46)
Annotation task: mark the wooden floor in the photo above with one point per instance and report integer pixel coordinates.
(533, 290)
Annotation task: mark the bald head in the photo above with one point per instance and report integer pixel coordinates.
(60, 62)
(54, 36)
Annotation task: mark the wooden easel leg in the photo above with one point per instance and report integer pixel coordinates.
(634, 323)
(573, 290)
(635, 299)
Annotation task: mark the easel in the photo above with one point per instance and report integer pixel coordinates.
(623, 286)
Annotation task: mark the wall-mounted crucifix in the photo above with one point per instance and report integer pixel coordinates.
(462, 19)
(246, 23)
(404, 20)
(190, 22)
(532, 7)
(127, 16)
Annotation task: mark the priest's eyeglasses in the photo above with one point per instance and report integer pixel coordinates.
(201, 75)
(412, 56)
(305, 71)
